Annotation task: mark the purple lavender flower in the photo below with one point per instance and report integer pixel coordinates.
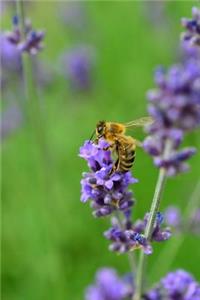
(173, 216)
(78, 63)
(192, 26)
(107, 192)
(10, 55)
(175, 107)
(154, 294)
(108, 286)
(124, 240)
(178, 285)
(188, 51)
(33, 41)
(125, 236)
(174, 219)
(11, 120)
(159, 233)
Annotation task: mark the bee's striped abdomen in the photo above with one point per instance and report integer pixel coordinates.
(126, 156)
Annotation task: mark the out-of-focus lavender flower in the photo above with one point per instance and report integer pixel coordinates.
(15, 35)
(11, 120)
(173, 216)
(107, 192)
(10, 55)
(33, 41)
(175, 108)
(77, 65)
(188, 51)
(174, 219)
(192, 27)
(154, 294)
(11, 63)
(175, 103)
(178, 285)
(108, 286)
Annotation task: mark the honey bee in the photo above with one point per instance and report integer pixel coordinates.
(120, 143)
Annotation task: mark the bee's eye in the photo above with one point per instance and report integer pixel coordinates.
(100, 128)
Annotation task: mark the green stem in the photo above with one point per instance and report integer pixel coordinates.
(31, 96)
(169, 253)
(20, 14)
(33, 113)
(152, 216)
(131, 256)
(36, 131)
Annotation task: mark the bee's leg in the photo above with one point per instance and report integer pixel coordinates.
(115, 167)
(95, 141)
(106, 148)
(109, 147)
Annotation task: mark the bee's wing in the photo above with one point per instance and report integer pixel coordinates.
(140, 122)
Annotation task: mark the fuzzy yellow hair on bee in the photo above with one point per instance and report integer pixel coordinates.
(120, 143)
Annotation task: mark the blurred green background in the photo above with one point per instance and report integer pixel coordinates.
(52, 246)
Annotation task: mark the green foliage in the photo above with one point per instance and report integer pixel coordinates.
(52, 245)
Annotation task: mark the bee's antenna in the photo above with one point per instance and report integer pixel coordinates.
(92, 136)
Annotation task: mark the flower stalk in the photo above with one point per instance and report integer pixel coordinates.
(148, 231)
(32, 105)
(131, 255)
(170, 251)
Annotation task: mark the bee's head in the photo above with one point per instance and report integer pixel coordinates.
(100, 129)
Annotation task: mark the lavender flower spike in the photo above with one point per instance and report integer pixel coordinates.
(78, 64)
(31, 41)
(175, 107)
(192, 27)
(107, 192)
(126, 236)
(126, 239)
(108, 286)
(173, 216)
(176, 285)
